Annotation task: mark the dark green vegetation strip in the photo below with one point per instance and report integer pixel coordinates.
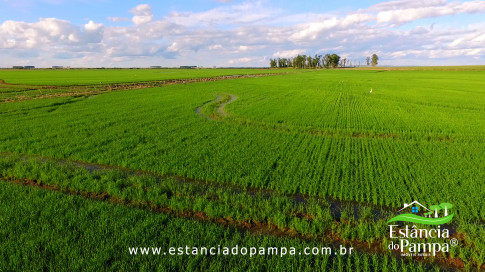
(274, 214)
(68, 233)
(269, 213)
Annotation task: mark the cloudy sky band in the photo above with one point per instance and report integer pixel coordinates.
(242, 33)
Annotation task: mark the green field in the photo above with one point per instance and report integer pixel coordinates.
(296, 159)
(69, 77)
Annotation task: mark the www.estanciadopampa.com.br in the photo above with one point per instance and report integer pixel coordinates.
(237, 250)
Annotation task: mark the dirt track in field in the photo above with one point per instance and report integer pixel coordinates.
(86, 90)
(220, 114)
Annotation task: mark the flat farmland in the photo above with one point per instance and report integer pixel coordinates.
(305, 158)
(69, 77)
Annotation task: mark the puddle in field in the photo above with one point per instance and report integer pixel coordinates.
(199, 109)
(221, 109)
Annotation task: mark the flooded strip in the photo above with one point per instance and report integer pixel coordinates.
(252, 227)
(337, 207)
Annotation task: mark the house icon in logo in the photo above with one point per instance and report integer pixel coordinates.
(411, 212)
(414, 207)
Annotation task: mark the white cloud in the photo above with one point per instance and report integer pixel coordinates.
(92, 26)
(410, 12)
(215, 47)
(247, 60)
(48, 32)
(118, 19)
(143, 14)
(239, 60)
(311, 31)
(174, 47)
(288, 53)
(245, 13)
(405, 4)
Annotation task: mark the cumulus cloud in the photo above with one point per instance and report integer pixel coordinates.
(400, 12)
(288, 53)
(92, 26)
(142, 14)
(46, 32)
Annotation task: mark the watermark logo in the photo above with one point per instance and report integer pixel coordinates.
(426, 241)
(422, 215)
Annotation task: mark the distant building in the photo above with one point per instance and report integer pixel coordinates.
(23, 67)
(57, 67)
(188, 67)
(155, 67)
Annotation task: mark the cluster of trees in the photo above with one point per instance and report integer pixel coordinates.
(317, 61)
(304, 61)
(374, 58)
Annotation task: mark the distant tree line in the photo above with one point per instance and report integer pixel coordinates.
(317, 61)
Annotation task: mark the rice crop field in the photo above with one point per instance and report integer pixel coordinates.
(96, 163)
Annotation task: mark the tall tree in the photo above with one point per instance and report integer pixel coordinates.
(326, 61)
(317, 61)
(272, 63)
(309, 61)
(367, 61)
(334, 60)
(375, 58)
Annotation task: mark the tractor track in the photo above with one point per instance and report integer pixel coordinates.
(222, 115)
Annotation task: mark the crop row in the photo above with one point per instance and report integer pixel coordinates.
(312, 217)
(99, 235)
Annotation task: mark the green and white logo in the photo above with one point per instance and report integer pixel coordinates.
(426, 241)
(422, 215)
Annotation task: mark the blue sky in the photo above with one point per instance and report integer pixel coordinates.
(84, 33)
(77, 11)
